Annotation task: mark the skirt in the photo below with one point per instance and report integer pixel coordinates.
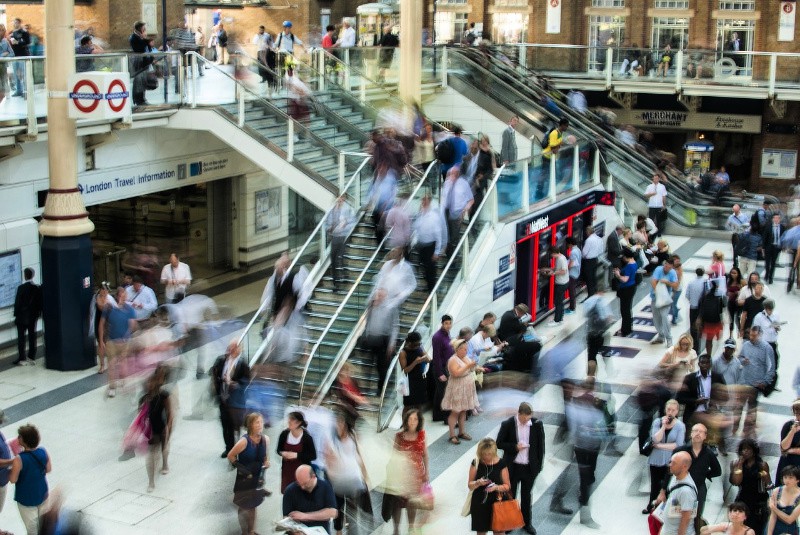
(460, 394)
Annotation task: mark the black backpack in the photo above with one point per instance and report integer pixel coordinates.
(545, 142)
(742, 245)
(711, 307)
(445, 151)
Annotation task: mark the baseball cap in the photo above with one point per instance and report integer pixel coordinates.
(730, 342)
(287, 24)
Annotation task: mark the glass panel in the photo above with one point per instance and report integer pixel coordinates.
(537, 177)
(510, 27)
(558, 59)
(564, 165)
(604, 32)
(509, 189)
(586, 162)
(738, 5)
(735, 36)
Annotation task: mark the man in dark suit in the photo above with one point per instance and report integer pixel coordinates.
(699, 390)
(771, 236)
(521, 438)
(27, 309)
(510, 321)
(230, 375)
(613, 247)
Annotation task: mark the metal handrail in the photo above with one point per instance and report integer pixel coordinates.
(283, 115)
(305, 246)
(341, 357)
(433, 293)
(391, 93)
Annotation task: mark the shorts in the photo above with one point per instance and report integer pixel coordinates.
(712, 330)
(116, 349)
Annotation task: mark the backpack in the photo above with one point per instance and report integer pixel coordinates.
(445, 152)
(545, 141)
(596, 323)
(742, 245)
(711, 308)
(280, 38)
(470, 37)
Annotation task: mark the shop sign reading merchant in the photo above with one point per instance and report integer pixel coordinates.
(682, 120)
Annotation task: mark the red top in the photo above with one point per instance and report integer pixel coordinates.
(415, 449)
(717, 269)
(327, 41)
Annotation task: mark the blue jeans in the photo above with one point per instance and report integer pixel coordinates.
(674, 308)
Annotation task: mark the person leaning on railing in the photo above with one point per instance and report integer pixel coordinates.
(139, 63)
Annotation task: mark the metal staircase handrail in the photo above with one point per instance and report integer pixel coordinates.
(343, 354)
(432, 294)
(394, 97)
(322, 143)
(341, 121)
(301, 252)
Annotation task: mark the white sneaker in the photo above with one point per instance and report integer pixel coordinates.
(554, 323)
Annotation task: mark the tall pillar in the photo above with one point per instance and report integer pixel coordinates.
(66, 247)
(410, 51)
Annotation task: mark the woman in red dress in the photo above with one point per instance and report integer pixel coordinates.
(295, 447)
(410, 441)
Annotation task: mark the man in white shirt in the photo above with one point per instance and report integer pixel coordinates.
(770, 324)
(458, 200)
(176, 277)
(339, 223)
(347, 39)
(561, 274)
(142, 298)
(656, 195)
(263, 41)
(480, 342)
(593, 247)
(431, 235)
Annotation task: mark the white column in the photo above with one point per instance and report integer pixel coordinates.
(410, 51)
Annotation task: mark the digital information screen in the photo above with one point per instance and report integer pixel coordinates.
(10, 277)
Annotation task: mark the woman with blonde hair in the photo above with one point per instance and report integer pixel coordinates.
(460, 395)
(679, 360)
(666, 433)
(488, 476)
(717, 268)
(250, 456)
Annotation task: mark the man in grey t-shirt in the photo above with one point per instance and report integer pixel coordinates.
(681, 506)
(560, 273)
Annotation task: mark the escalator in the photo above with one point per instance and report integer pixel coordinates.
(492, 80)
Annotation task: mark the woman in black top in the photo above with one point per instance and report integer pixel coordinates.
(139, 64)
(752, 306)
(295, 447)
(751, 474)
(484, 171)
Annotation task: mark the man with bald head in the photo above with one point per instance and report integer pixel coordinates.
(681, 497)
(310, 500)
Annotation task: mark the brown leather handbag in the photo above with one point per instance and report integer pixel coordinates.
(506, 513)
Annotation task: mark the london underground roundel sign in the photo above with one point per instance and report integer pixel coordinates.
(92, 94)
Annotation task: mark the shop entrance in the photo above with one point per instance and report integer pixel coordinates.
(137, 235)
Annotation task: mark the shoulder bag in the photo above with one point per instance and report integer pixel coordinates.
(506, 514)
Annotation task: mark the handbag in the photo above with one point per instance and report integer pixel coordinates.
(150, 80)
(137, 437)
(647, 447)
(403, 387)
(506, 514)
(423, 500)
(465, 509)
(662, 296)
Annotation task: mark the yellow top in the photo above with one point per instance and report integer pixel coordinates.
(554, 140)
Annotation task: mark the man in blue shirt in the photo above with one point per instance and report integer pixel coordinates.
(460, 149)
(310, 500)
(117, 324)
(666, 275)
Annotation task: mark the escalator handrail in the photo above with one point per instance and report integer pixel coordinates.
(342, 355)
(306, 245)
(595, 129)
(464, 236)
(334, 317)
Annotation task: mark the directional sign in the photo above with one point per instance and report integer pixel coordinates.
(98, 95)
(638, 335)
(615, 351)
(83, 91)
(117, 95)
(638, 320)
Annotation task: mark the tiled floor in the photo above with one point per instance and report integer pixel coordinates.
(82, 431)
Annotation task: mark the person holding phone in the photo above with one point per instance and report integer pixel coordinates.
(667, 433)
(488, 475)
(790, 442)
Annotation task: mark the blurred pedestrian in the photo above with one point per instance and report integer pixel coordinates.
(758, 361)
(664, 282)
(457, 200)
(380, 333)
(398, 221)
(460, 395)
(6, 462)
(711, 310)
(161, 416)
(27, 310)
(488, 479)
(430, 232)
(396, 277)
(694, 293)
(413, 471)
(250, 457)
(230, 375)
(117, 325)
(295, 447)
(284, 287)
(346, 472)
(339, 224)
(29, 474)
(598, 319)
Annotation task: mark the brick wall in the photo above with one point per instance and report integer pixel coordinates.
(774, 141)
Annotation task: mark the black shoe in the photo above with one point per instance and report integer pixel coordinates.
(649, 509)
(224, 454)
(529, 529)
(560, 509)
